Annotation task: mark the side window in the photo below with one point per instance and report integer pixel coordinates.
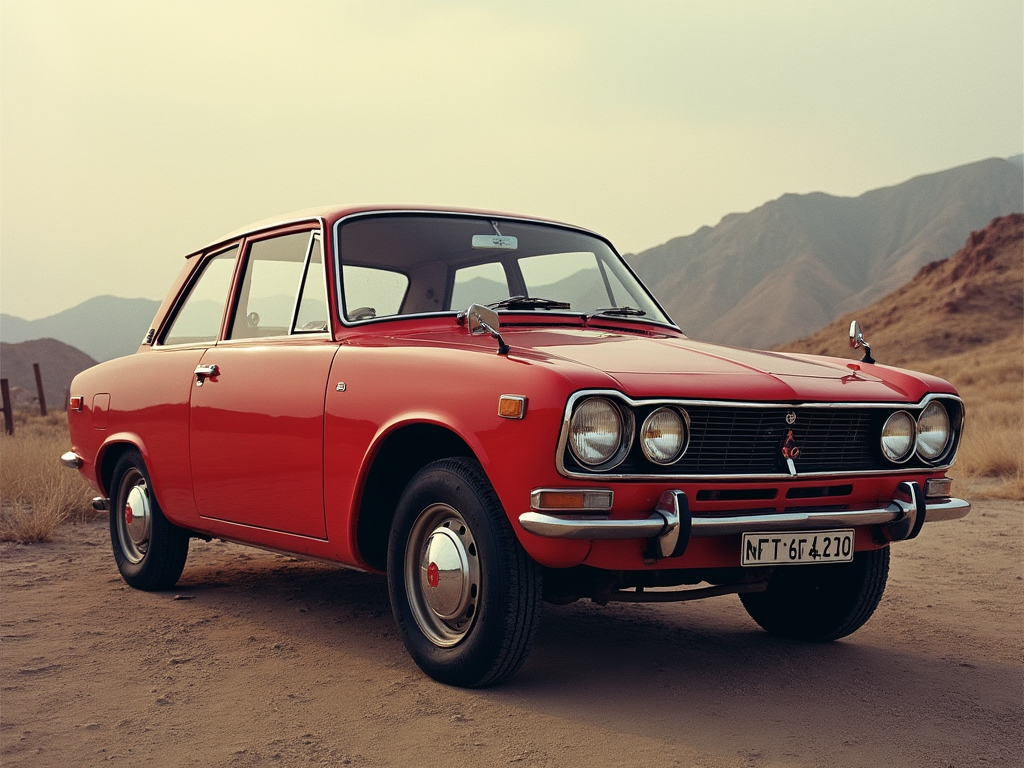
(372, 292)
(481, 284)
(274, 272)
(198, 318)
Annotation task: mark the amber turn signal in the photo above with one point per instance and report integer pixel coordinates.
(512, 406)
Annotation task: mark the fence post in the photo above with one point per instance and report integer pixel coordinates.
(8, 416)
(39, 389)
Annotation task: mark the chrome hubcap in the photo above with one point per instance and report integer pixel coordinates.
(442, 574)
(134, 521)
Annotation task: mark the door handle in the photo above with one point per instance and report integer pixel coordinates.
(202, 371)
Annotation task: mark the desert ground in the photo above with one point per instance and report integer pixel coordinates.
(257, 659)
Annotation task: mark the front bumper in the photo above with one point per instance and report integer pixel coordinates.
(671, 525)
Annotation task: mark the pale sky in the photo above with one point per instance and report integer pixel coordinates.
(134, 132)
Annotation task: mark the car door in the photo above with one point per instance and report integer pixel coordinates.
(257, 404)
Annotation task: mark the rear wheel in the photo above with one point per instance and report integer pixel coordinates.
(821, 602)
(464, 593)
(150, 551)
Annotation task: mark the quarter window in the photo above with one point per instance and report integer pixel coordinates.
(199, 317)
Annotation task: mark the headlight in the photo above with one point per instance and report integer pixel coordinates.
(663, 436)
(899, 436)
(599, 432)
(932, 431)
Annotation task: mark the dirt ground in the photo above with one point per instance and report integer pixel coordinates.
(263, 660)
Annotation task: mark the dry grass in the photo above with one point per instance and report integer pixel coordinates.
(37, 493)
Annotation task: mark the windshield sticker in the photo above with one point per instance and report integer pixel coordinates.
(496, 241)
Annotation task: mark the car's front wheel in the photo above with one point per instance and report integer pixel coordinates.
(149, 550)
(821, 602)
(465, 595)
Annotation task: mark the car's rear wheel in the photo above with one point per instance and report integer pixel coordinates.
(465, 595)
(149, 550)
(821, 602)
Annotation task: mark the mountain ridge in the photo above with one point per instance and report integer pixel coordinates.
(793, 264)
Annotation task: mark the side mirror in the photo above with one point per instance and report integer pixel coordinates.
(480, 320)
(857, 341)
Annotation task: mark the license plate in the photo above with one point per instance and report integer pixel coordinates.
(798, 547)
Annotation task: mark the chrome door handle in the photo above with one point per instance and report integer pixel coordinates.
(202, 371)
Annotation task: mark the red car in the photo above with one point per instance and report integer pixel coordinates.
(494, 411)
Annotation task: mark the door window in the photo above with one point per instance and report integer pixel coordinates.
(283, 288)
(198, 319)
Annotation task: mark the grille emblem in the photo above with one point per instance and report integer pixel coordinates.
(791, 419)
(789, 448)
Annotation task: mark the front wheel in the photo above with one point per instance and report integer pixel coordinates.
(465, 595)
(821, 602)
(149, 550)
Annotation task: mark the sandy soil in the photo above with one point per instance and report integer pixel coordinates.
(258, 659)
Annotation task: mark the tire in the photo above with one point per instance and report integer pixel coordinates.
(819, 603)
(150, 551)
(464, 593)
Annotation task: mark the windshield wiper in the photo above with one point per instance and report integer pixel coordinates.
(624, 311)
(528, 302)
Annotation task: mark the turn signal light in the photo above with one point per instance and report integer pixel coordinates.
(570, 500)
(512, 406)
(75, 403)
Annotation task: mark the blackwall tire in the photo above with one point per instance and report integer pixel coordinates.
(821, 602)
(149, 550)
(464, 593)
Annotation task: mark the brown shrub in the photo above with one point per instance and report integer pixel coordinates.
(37, 493)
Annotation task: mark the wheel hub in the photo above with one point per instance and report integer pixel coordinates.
(442, 575)
(137, 515)
(445, 573)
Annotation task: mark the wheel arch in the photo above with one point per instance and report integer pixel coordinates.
(401, 454)
(113, 449)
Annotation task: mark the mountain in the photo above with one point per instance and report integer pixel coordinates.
(58, 364)
(103, 327)
(966, 303)
(779, 272)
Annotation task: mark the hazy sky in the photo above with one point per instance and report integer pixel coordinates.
(134, 132)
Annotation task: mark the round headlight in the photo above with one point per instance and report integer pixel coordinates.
(899, 435)
(596, 431)
(932, 431)
(663, 436)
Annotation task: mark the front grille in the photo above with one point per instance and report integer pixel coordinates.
(727, 440)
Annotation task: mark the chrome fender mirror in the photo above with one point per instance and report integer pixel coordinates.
(480, 320)
(857, 341)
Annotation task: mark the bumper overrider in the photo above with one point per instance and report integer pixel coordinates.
(671, 525)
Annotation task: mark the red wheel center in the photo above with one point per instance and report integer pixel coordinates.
(128, 515)
(433, 574)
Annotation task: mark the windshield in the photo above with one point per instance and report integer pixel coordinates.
(403, 264)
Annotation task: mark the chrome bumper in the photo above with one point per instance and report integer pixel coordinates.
(671, 525)
(71, 460)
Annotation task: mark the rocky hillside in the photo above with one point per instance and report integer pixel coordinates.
(791, 266)
(965, 303)
(58, 364)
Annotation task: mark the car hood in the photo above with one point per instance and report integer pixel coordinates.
(665, 365)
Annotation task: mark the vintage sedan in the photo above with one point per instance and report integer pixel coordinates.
(493, 411)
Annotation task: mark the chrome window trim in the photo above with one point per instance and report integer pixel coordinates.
(336, 242)
(683, 403)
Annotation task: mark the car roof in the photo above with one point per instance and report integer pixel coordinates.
(331, 213)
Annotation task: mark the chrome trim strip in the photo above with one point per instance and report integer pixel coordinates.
(563, 436)
(71, 460)
(589, 527)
